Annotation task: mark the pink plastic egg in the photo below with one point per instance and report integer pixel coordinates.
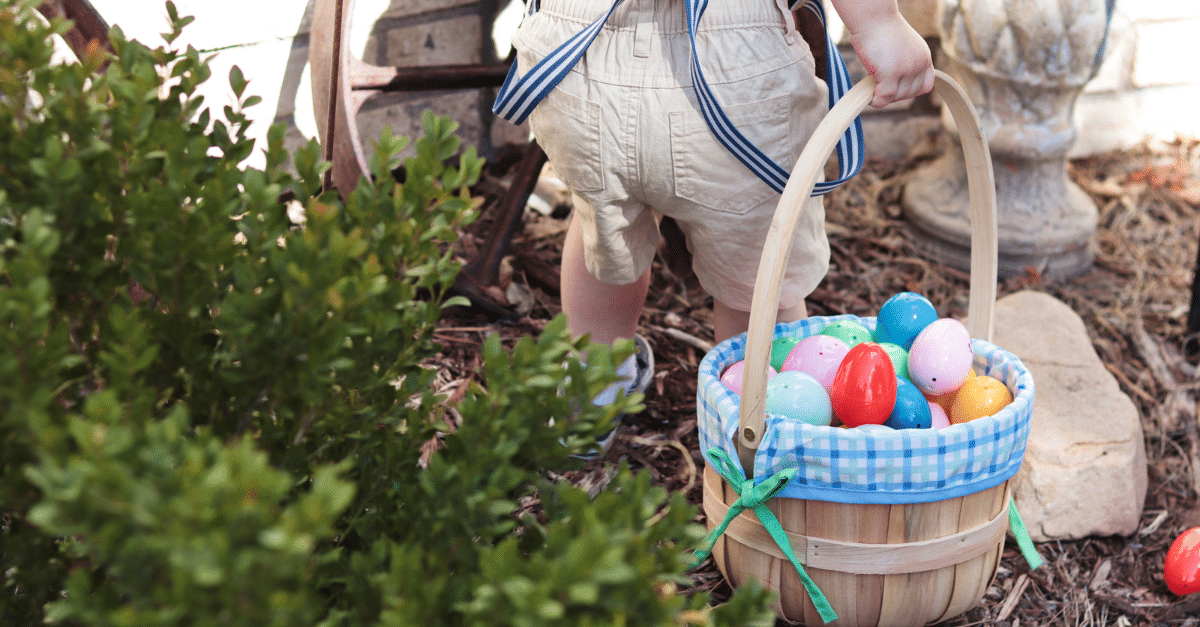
(940, 420)
(940, 358)
(733, 375)
(818, 356)
(864, 388)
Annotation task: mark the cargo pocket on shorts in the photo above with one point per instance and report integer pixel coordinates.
(568, 129)
(707, 174)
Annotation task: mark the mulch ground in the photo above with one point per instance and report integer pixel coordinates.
(1135, 303)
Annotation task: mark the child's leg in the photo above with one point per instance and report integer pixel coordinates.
(728, 322)
(606, 311)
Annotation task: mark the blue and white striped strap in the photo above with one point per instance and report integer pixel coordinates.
(851, 148)
(519, 95)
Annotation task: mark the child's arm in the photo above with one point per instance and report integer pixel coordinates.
(890, 50)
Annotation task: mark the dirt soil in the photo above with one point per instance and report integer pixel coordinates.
(1135, 302)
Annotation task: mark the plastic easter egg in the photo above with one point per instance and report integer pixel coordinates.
(819, 356)
(938, 416)
(1182, 566)
(946, 401)
(940, 357)
(780, 348)
(911, 410)
(979, 397)
(799, 396)
(899, 358)
(732, 378)
(864, 387)
(848, 331)
(902, 318)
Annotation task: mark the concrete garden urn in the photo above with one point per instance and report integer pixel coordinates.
(1023, 63)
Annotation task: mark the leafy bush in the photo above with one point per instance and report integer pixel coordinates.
(214, 415)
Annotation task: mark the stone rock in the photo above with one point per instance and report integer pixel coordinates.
(1022, 64)
(1085, 463)
(894, 136)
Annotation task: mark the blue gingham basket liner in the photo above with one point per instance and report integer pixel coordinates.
(873, 464)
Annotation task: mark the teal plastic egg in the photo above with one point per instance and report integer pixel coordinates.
(799, 396)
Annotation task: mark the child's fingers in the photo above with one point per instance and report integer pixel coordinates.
(885, 92)
(890, 90)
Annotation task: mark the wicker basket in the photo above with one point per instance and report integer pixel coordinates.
(888, 540)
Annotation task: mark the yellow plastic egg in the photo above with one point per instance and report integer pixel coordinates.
(946, 401)
(979, 397)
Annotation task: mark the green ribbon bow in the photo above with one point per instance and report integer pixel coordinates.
(1021, 534)
(755, 497)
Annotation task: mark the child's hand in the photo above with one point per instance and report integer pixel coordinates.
(888, 47)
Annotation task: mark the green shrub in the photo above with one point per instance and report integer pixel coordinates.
(215, 416)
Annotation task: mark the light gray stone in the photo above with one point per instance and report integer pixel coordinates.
(894, 136)
(1023, 64)
(1085, 463)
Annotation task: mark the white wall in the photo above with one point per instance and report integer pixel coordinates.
(255, 35)
(1149, 83)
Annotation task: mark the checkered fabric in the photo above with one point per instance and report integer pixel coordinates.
(874, 464)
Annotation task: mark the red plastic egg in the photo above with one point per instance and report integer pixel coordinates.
(1182, 567)
(863, 391)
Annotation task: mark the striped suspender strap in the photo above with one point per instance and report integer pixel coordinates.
(851, 147)
(519, 95)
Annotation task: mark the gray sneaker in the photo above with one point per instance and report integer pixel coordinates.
(644, 374)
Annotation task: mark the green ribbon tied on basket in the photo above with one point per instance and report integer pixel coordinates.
(754, 497)
(1017, 525)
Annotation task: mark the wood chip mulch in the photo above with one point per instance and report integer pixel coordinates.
(1135, 303)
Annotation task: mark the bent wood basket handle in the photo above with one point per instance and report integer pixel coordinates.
(778, 245)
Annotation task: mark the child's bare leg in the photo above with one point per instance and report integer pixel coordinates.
(728, 322)
(606, 311)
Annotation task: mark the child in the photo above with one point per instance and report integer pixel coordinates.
(629, 129)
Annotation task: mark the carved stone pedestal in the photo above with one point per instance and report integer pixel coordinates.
(1023, 63)
(1045, 221)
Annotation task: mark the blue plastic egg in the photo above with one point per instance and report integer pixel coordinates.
(799, 396)
(911, 410)
(902, 318)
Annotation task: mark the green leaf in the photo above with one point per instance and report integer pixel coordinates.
(237, 81)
